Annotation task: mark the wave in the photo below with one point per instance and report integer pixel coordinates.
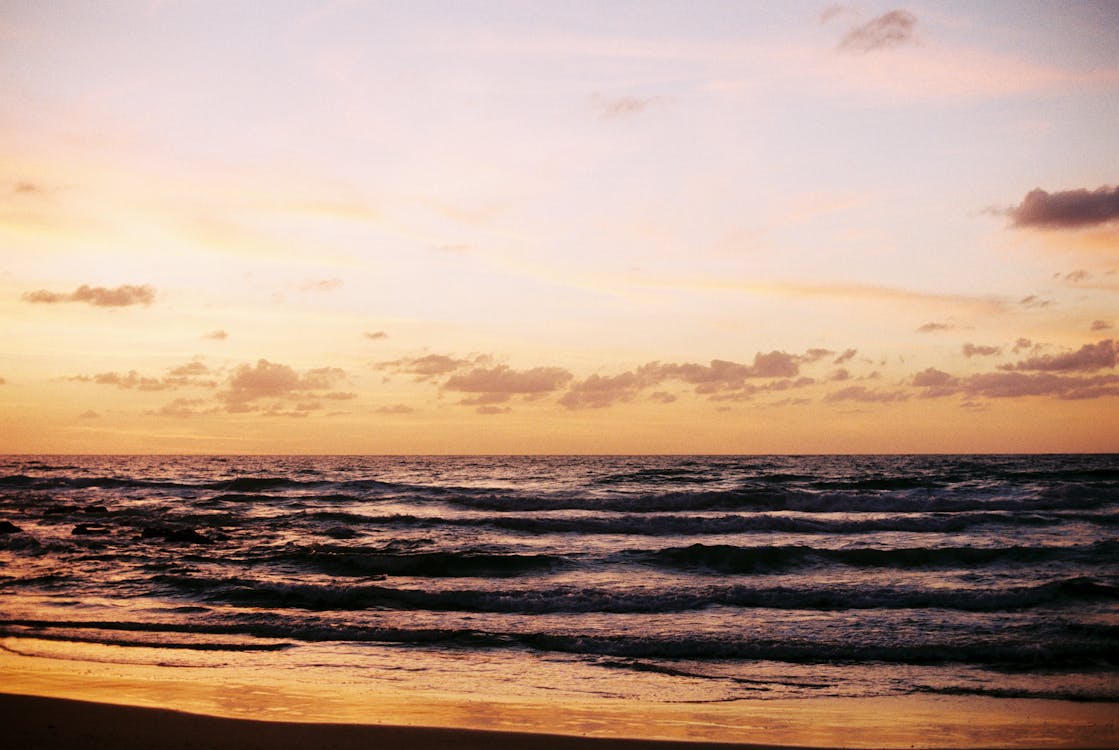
(655, 524)
(348, 561)
(978, 651)
(578, 600)
(724, 558)
(761, 500)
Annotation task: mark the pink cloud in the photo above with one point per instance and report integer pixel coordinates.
(600, 391)
(505, 380)
(269, 381)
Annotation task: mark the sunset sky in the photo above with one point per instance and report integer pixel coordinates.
(531, 227)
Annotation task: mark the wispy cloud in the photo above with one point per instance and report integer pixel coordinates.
(620, 107)
(431, 366)
(892, 29)
(863, 394)
(322, 285)
(978, 350)
(375, 335)
(192, 374)
(218, 335)
(98, 296)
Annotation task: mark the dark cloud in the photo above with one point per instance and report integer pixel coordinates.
(936, 383)
(98, 296)
(493, 410)
(218, 335)
(89, 414)
(1022, 344)
(1075, 277)
(888, 30)
(840, 374)
(1034, 301)
(1069, 209)
(1102, 325)
(864, 394)
(847, 355)
(663, 397)
(1085, 359)
(26, 188)
(934, 327)
(978, 350)
(376, 335)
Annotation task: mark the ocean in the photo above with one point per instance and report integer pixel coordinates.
(683, 579)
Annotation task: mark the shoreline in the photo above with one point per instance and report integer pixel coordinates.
(59, 703)
(48, 723)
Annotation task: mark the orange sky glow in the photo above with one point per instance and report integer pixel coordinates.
(490, 227)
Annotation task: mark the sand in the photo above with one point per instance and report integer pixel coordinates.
(67, 703)
(48, 723)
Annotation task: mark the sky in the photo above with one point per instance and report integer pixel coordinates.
(580, 227)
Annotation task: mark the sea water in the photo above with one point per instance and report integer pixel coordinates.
(659, 579)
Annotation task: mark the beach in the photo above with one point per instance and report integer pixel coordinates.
(50, 723)
(62, 704)
(864, 602)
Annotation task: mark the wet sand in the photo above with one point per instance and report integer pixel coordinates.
(50, 723)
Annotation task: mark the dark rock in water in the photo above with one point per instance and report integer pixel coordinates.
(95, 509)
(57, 510)
(178, 536)
(7, 527)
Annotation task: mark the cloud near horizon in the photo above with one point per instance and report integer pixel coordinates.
(190, 374)
(496, 385)
(269, 381)
(1068, 209)
(1085, 359)
(98, 296)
